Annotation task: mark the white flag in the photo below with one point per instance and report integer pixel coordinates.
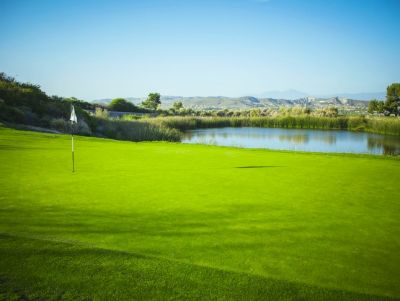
(73, 117)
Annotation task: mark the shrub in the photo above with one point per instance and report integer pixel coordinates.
(122, 105)
(61, 125)
(101, 113)
(65, 126)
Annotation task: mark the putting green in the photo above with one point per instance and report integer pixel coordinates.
(168, 220)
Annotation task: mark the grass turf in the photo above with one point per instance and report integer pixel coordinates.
(163, 220)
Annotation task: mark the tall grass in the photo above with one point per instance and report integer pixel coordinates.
(136, 130)
(383, 125)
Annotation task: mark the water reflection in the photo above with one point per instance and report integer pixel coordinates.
(297, 139)
(389, 145)
(293, 139)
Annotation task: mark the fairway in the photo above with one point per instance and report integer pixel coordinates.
(157, 220)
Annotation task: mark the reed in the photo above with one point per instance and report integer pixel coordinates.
(136, 130)
(382, 125)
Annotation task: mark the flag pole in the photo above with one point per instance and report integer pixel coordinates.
(72, 143)
(73, 120)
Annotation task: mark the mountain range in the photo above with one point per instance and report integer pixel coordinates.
(249, 102)
(292, 94)
(275, 99)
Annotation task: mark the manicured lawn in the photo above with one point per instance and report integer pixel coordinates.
(164, 221)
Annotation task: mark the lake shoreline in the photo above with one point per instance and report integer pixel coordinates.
(308, 140)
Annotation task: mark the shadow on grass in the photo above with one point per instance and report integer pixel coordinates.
(36, 269)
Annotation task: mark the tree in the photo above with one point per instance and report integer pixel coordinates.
(122, 105)
(177, 106)
(152, 101)
(380, 107)
(392, 104)
(375, 106)
(372, 106)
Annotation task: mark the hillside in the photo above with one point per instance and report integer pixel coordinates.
(249, 102)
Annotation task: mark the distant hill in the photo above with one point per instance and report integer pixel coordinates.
(248, 102)
(290, 94)
(294, 94)
(360, 96)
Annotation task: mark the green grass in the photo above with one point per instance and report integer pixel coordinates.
(163, 221)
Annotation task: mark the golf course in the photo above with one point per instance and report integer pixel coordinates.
(163, 220)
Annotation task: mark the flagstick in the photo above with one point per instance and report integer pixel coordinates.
(73, 120)
(73, 158)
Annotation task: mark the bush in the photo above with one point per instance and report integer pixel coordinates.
(122, 105)
(101, 113)
(24, 103)
(65, 126)
(61, 125)
(11, 114)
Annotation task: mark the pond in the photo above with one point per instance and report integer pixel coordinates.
(297, 139)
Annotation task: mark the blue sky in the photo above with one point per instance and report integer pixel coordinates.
(100, 49)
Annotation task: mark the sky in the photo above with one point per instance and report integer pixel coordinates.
(119, 48)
